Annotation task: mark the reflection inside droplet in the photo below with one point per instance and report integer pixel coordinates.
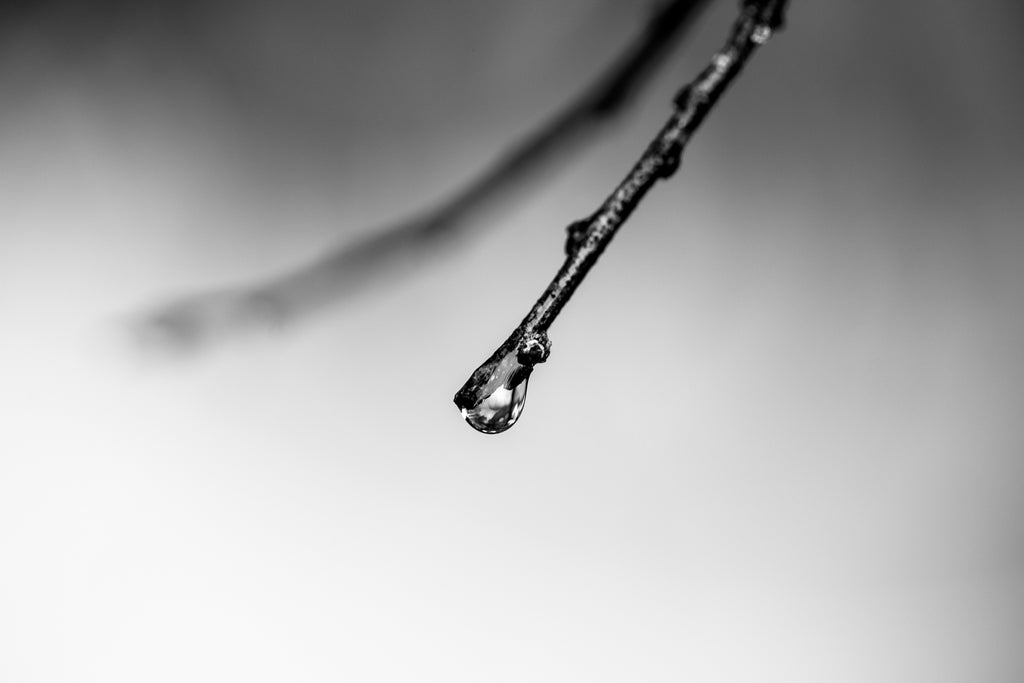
(502, 408)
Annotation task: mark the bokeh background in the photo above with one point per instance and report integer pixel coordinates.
(779, 437)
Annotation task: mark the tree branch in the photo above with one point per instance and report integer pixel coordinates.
(196, 320)
(528, 345)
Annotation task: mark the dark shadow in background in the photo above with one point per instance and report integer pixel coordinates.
(193, 322)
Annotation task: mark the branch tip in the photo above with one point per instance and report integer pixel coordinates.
(534, 348)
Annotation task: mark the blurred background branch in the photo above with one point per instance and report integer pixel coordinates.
(193, 322)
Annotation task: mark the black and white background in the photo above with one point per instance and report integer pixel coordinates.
(779, 437)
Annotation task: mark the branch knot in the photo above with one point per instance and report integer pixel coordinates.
(534, 348)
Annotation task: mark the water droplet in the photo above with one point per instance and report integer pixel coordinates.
(502, 408)
(761, 34)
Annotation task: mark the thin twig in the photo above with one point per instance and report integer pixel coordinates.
(587, 239)
(193, 321)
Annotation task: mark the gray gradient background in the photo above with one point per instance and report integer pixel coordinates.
(779, 437)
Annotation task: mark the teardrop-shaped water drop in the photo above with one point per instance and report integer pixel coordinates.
(502, 408)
